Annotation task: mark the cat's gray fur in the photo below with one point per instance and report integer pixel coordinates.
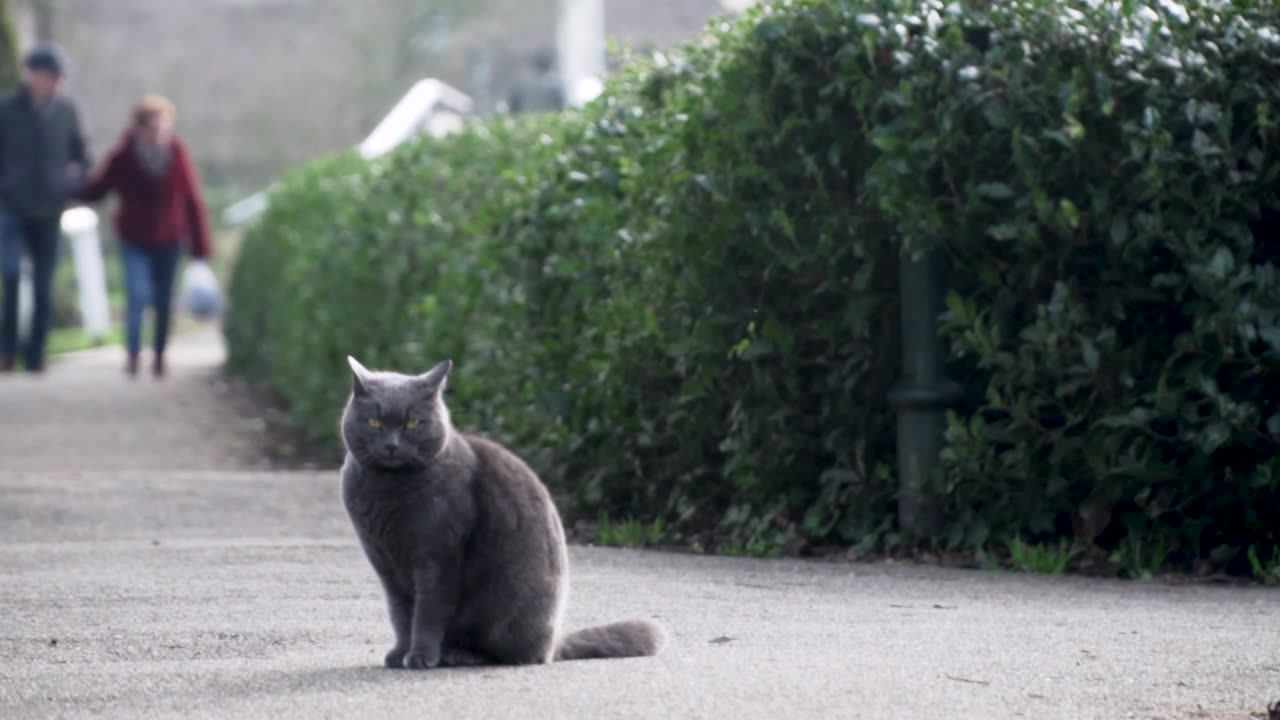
(463, 535)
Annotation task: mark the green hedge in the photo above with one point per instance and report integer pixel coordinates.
(10, 58)
(680, 302)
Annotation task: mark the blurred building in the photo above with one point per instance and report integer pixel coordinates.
(265, 84)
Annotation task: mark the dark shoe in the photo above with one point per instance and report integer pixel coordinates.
(157, 366)
(131, 366)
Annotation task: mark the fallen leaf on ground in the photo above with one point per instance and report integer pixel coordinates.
(968, 680)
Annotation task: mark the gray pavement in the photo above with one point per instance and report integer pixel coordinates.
(150, 568)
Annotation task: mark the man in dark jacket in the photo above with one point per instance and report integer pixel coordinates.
(539, 89)
(43, 160)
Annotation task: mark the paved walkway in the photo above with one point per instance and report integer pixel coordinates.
(149, 569)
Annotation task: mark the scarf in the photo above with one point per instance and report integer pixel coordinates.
(154, 158)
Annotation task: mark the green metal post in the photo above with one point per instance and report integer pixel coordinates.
(922, 394)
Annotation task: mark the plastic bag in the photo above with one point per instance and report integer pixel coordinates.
(200, 293)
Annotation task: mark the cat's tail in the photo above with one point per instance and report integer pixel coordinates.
(630, 638)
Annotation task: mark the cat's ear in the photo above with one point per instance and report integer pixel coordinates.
(359, 377)
(434, 379)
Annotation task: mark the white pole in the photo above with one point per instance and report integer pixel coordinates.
(26, 300)
(81, 227)
(580, 35)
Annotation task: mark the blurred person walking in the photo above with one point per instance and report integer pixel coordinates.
(43, 157)
(161, 213)
(539, 88)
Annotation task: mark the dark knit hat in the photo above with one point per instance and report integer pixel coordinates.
(46, 57)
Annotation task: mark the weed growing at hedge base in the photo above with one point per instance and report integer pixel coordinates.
(1049, 559)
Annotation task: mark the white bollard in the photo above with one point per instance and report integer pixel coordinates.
(80, 225)
(580, 37)
(26, 300)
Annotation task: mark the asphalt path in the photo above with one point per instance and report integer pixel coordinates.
(150, 567)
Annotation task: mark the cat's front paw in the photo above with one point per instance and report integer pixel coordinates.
(395, 658)
(421, 659)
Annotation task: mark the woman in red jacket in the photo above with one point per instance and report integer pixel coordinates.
(161, 209)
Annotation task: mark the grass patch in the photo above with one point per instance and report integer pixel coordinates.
(1046, 558)
(67, 340)
(628, 532)
(1266, 572)
(1140, 560)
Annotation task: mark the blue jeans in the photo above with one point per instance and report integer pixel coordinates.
(38, 238)
(148, 280)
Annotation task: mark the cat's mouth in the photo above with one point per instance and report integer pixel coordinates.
(394, 461)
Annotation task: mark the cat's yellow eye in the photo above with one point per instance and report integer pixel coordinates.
(375, 423)
(412, 423)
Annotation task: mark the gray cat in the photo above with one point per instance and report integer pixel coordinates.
(463, 535)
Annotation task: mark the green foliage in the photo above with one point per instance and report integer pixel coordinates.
(1267, 571)
(10, 61)
(1049, 559)
(67, 340)
(679, 304)
(1141, 557)
(1116, 317)
(628, 532)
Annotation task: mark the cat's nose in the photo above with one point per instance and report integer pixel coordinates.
(391, 442)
